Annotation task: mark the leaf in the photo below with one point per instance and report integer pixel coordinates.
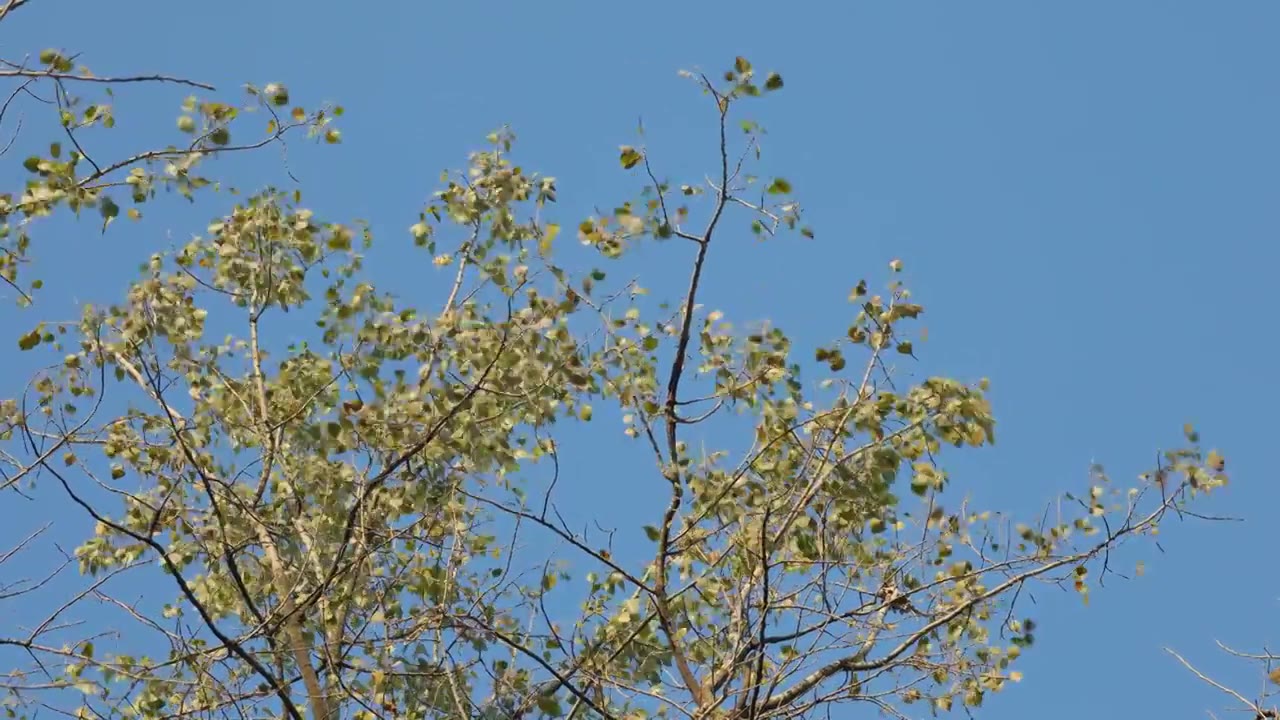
(1190, 432)
(279, 94)
(108, 208)
(773, 82)
(652, 533)
(55, 150)
(779, 186)
(920, 485)
(742, 65)
(548, 237)
(30, 340)
(1274, 676)
(1216, 462)
(629, 157)
(187, 124)
(333, 136)
(549, 705)
(298, 114)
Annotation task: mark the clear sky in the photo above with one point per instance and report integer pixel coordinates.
(1084, 194)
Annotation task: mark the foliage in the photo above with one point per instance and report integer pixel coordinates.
(343, 520)
(70, 176)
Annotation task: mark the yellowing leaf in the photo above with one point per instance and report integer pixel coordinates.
(548, 236)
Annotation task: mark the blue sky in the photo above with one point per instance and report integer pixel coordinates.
(1084, 194)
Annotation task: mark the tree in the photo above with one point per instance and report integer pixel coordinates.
(344, 521)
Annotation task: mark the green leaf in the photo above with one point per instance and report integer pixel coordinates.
(549, 705)
(773, 81)
(920, 484)
(108, 208)
(187, 124)
(279, 94)
(30, 340)
(742, 65)
(652, 533)
(629, 157)
(779, 186)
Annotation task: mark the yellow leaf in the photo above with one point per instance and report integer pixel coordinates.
(1015, 676)
(548, 237)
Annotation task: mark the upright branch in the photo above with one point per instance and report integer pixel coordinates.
(674, 459)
